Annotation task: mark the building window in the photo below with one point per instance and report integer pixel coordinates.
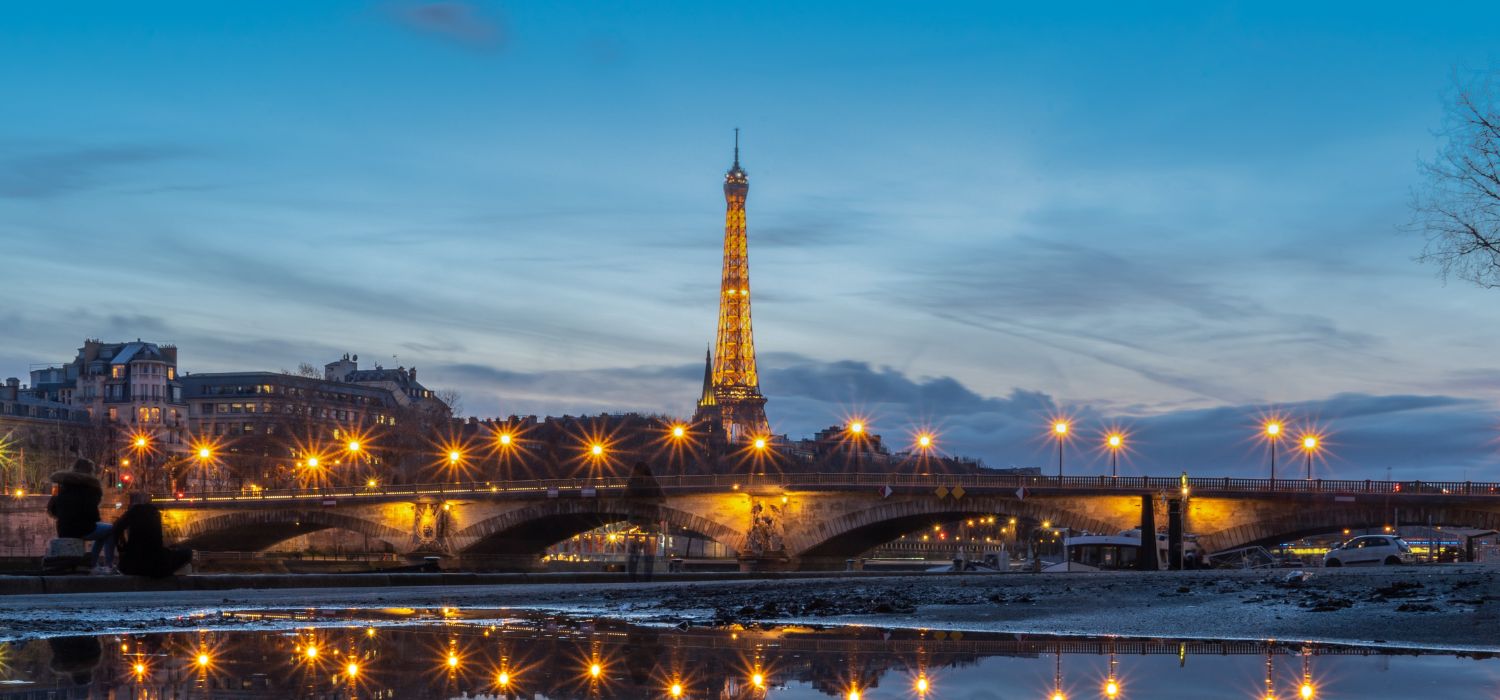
(143, 415)
(156, 415)
(171, 373)
(117, 371)
(237, 408)
(223, 407)
(114, 414)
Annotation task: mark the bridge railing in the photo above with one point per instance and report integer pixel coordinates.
(877, 481)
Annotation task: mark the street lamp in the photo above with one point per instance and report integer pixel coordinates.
(1273, 436)
(1309, 446)
(1060, 429)
(1114, 441)
(205, 455)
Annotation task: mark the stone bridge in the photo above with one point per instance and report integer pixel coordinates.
(810, 520)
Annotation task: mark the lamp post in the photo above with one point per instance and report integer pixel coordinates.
(1060, 429)
(1114, 442)
(355, 450)
(205, 453)
(1309, 445)
(1273, 435)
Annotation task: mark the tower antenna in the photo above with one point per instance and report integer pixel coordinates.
(736, 145)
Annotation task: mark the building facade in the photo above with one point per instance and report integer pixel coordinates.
(39, 436)
(133, 387)
(278, 429)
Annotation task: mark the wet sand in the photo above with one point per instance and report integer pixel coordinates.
(1451, 606)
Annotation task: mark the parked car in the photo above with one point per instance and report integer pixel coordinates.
(1370, 549)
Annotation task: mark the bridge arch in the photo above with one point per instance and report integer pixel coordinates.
(1306, 522)
(256, 530)
(854, 533)
(530, 530)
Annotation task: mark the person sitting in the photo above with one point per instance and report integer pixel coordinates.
(138, 539)
(75, 505)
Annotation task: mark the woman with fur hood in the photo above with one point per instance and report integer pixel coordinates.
(75, 505)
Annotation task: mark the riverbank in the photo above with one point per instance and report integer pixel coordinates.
(1451, 606)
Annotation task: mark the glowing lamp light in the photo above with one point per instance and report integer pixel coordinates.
(1306, 691)
(1114, 441)
(203, 659)
(505, 438)
(454, 456)
(452, 660)
(353, 446)
(678, 431)
(312, 462)
(760, 443)
(1273, 429)
(1310, 443)
(856, 427)
(758, 680)
(675, 690)
(596, 450)
(372, 483)
(352, 670)
(140, 441)
(853, 694)
(1060, 427)
(1058, 695)
(595, 669)
(204, 453)
(312, 652)
(1112, 688)
(140, 669)
(924, 441)
(922, 685)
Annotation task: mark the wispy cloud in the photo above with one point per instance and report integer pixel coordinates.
(460, 22)
(47, 174)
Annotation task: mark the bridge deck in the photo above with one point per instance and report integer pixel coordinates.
(971, 483)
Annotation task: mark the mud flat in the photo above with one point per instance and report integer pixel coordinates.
(1449, 606)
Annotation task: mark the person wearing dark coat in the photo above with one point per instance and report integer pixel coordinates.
(75, 505)
(138, 539)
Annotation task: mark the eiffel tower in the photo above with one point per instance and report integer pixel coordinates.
(731, 399)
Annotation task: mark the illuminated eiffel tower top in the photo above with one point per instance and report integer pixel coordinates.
(735, 402)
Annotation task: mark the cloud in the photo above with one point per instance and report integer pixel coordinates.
(1432, 437)
(459, 22)
(57, 173)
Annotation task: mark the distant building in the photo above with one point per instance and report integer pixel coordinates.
(264, 426)
(39, 435)
(132, 386)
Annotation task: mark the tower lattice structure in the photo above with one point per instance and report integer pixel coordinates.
(731, 396)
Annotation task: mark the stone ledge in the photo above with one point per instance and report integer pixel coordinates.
(64, 585)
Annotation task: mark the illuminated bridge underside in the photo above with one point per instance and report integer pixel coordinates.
(814, 520)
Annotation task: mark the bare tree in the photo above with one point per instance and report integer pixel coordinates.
(1459, 209)
(304, 369)
(452, 398)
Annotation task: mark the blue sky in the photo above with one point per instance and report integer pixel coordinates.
(966, 215)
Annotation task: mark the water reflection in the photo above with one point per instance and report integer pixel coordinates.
(447, 653)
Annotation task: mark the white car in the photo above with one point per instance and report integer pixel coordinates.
(1370, 549)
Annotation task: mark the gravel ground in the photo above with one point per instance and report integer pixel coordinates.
(1452, 606)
